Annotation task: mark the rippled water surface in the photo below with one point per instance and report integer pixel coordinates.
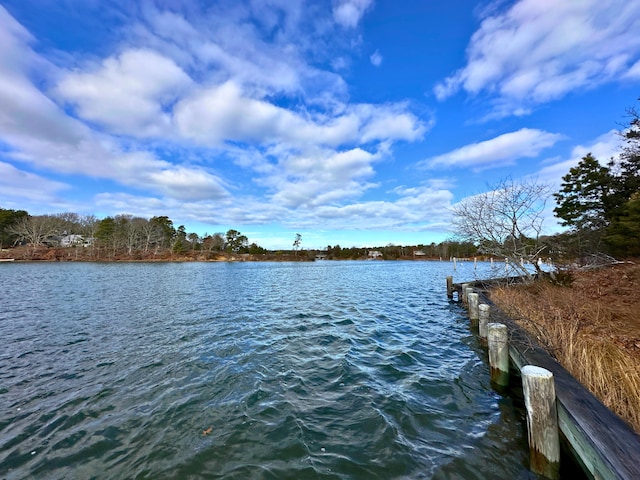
(246, 370)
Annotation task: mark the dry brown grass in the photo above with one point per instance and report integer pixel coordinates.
(592, 328)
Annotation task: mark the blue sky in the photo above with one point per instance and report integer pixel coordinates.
(351, 122)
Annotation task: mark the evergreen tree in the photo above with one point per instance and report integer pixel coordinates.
(600, 203)
(585, 200)
(7, 219)
(236, 242)
(623, 235)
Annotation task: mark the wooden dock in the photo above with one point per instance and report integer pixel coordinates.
(602, 443)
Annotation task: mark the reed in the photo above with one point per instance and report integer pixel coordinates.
(593, 334)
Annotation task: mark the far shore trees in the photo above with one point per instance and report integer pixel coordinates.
(236, 241)
(36, 229)
(126, 237)
(296, 243)
(213, 243)
(8, 218)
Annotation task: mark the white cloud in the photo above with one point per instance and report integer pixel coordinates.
(603, 148)
(224, 113)
(389, 122)
(349, 12)
(134, 205)
(376, 59)
(39, 133)
(505, 149)
(538, 51)
(14, 38)
(634, 72)
(418, 208)
(18, 184)
(244, 210)
(321, 177)
(130, 94)
(186, 184)
(261, 46)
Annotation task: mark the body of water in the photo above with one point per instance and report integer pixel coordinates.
(358, 370)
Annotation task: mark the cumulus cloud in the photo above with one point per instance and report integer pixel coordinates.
(224, 113)
(261, 45)
(538, 51)
(376, 59)
(320, 178)
(349, 12)
(15, 40)
(389, 122)
(634, 72)
(39, 133)
(18, 184)
(128, 94)
(603, 148)
(187, 184)
(502, 150)
(418, 208)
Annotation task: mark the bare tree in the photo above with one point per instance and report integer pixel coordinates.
(194, 240)
(214, 242)
(36, 229)
(151, 234)
(505, 221)
(296, 243)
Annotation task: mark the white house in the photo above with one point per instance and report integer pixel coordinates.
(75, 241)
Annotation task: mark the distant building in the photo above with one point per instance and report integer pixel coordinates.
(374, 254)
(75, 241)
(419, 253)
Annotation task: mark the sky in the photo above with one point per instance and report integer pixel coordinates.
(350, 122)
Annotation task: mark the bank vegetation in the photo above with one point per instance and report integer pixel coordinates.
(591, 324)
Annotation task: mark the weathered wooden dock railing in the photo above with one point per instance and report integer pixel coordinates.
(601, 442)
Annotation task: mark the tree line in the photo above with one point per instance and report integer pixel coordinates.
(443, 250)
(127, 236)
(112, 236)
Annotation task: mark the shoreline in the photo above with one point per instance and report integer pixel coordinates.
(89, 255)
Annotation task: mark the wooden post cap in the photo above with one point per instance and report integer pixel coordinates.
(534, 371)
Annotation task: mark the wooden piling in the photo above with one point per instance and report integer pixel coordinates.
(450, 287)
(474, 312)
(463, 289)
(484, 311)
(498, 344)
(542, 420)
(469, 290)
(603, 445)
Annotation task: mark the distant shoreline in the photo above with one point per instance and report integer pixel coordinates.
(27, 254)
